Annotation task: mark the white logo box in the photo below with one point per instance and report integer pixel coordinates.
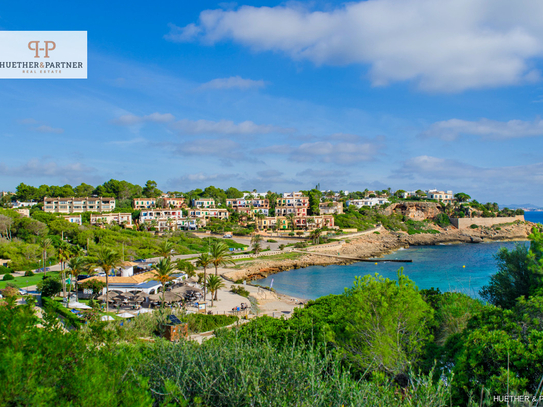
(43, 54)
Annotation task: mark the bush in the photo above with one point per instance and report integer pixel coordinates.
(474, 226)
(240, 281)
(8, 277)
(240, 290)
(271, 241)
(49, 287)
(5, 270)
(53, 306)
(376, 233)
(29, 273)
(204, 323)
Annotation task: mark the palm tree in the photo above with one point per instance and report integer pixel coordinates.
(256, 242)
(219, 256)
(291, 218)
(45, 244)
(77, 265)
(166, 249)
(214, 284)
(163, 273)
(186, 266)
(107, 259)
(64, 255)
(315, 235)
(204, 260)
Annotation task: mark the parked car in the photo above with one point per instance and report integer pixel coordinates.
(23, 292)
(227, 236)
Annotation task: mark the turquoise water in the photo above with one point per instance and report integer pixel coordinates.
(433, 266)
(536, 217)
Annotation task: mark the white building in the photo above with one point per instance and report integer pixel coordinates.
(112, 218)
(203, 203)
(371, 202)
(78, 205)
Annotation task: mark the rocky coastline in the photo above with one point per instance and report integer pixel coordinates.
(374, 245)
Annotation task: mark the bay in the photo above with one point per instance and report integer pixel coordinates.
(440, 266)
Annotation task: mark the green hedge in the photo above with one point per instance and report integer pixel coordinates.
(204, 323)
(8, 277)
(70, 318)
(5, 270)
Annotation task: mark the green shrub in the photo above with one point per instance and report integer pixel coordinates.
(240, 290)
(8, 277)
(204, 323)
(240, 281)
(474, 226)
(29, 273)
(55, 307)
(271, 241)
(5, 270)
(376, 233)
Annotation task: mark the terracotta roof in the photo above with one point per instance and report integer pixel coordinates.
(136, 279)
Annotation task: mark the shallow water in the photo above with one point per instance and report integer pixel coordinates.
(433, 266)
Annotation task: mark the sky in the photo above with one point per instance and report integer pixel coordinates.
(282, 96)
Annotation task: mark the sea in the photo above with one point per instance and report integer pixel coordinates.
(462, 268)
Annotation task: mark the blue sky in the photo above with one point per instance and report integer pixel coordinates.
(281, 96)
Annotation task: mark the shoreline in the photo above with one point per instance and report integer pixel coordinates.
(374, 245)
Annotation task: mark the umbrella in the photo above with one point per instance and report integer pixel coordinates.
(125, 315)
(127, 295)
(78, 305)
(144, 311)
(141, 296)
(181, 290)
(107, 318)
(172, 297)
(103, 297)
(155, 297)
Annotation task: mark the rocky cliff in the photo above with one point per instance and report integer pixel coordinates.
(415, 210)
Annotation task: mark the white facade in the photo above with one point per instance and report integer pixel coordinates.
(371, 202)
(112, 218)
(78, 205)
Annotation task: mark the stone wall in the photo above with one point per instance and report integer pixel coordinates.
(463, 223)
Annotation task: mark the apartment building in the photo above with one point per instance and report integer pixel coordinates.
(440, 196)
(300, 222)
(327, 208)
(209, 213)
(174, 202)
(256, 205)
(17, 204)
(371, 202)
(155, 214)
(24, 212)
(112, 218)
(73, 219)
(144, 203)
(78, 205)
(292, 194)
(260, 195)
(287, 210)
(203, 203)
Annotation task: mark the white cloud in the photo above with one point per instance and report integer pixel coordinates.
(234, 82)
(36, 168)
(221, 148)
(433, 168)
(48, 129)
(225, 127)
(448, 45)
(487, 129)
(182, 34)
(198, 179)
(343, 153)
(130, 119)
(312, 173)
